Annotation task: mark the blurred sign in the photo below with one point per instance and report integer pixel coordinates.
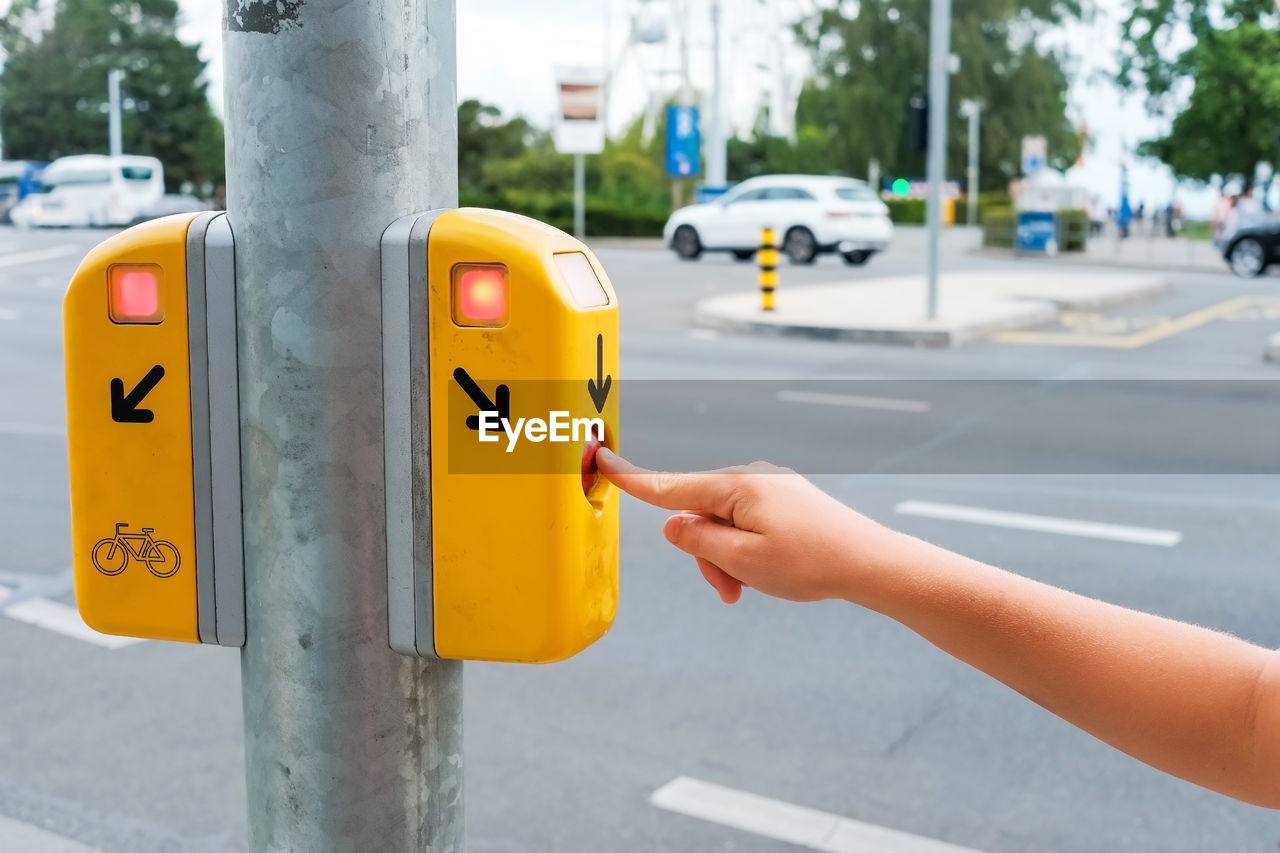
(683, 142)
(1035, 153)
(580, 122)
(918, 188)
(1037, 232)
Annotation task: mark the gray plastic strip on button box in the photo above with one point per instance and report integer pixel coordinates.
(215, 430)
(405, 403)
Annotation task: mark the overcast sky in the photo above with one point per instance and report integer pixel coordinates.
(507, 50)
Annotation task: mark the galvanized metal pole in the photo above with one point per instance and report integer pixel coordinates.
(115, 143)
(716, 154)
(341, 116)
(939, 62)
(579, 196)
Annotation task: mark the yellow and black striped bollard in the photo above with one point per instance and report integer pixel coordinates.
(767, 256)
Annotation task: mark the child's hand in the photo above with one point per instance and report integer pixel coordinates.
(762, 526)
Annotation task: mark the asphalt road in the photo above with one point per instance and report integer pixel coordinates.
(139, 749)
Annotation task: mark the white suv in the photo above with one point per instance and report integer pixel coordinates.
(809, 214)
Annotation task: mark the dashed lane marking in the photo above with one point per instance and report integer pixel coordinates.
(1042, 523)
(25, 598)
(888, 404)
(18, 836)
(47, 430)
(18, 259)
(790, 823)
(65, 620)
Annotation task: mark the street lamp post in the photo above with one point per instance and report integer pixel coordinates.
(939, 62)
(115, 142)
(971, 108)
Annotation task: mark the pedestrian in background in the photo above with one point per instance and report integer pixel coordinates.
(1221, 211)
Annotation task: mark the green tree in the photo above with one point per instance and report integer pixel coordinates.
(53, 89)
(1230, 120)
(764, 153)
(510, 165)
(872, 57)
(485, 137)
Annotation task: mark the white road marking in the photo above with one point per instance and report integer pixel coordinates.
(1042, 523)
(704, 334)
(786, 822)
(8, 314)
(33, 429)
(20, 258)
(61, 619)
(889, 404)
(18, 836)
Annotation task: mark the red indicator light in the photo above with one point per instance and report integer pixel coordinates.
(480, 295)
(133, 294)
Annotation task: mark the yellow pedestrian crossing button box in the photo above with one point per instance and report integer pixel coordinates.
(502, 543)
(153, 433)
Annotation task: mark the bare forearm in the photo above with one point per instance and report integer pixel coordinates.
(1192, 702)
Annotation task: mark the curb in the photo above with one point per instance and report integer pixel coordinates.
(1156, 287)
(1085, 260)
(1033, 314)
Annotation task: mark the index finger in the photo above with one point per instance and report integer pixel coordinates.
(702, 491)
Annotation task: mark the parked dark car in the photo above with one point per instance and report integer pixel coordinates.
(1251, 249)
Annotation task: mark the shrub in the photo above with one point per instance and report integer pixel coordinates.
(1073, 230)
(999, 224)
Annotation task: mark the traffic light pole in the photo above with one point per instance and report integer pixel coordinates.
(939, 71)
(340, 117)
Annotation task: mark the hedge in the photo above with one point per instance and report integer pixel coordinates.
(1001, 224)
(602, 219)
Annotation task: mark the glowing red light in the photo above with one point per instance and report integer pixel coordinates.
(134, 295)
(481, 298)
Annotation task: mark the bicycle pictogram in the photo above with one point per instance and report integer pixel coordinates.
(111, 556)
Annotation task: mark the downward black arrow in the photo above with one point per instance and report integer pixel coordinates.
(481, 399)
(124, 407)
(599, 387)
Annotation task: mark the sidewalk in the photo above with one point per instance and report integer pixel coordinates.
(1140, 251)
(971, 305)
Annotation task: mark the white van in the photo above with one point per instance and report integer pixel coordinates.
(90, 190)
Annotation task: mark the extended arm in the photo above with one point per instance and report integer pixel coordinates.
(1195, 703)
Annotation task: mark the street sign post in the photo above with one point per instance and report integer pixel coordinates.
(939, 80)
(1035, 153)
(580, 128)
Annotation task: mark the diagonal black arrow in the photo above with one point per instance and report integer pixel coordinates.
(124, 407)
(599, 387)
(502, 394)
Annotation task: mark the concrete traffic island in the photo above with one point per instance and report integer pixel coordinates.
(971, 305)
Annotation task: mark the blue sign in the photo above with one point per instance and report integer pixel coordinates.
(1037, 232)
(684, 142)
